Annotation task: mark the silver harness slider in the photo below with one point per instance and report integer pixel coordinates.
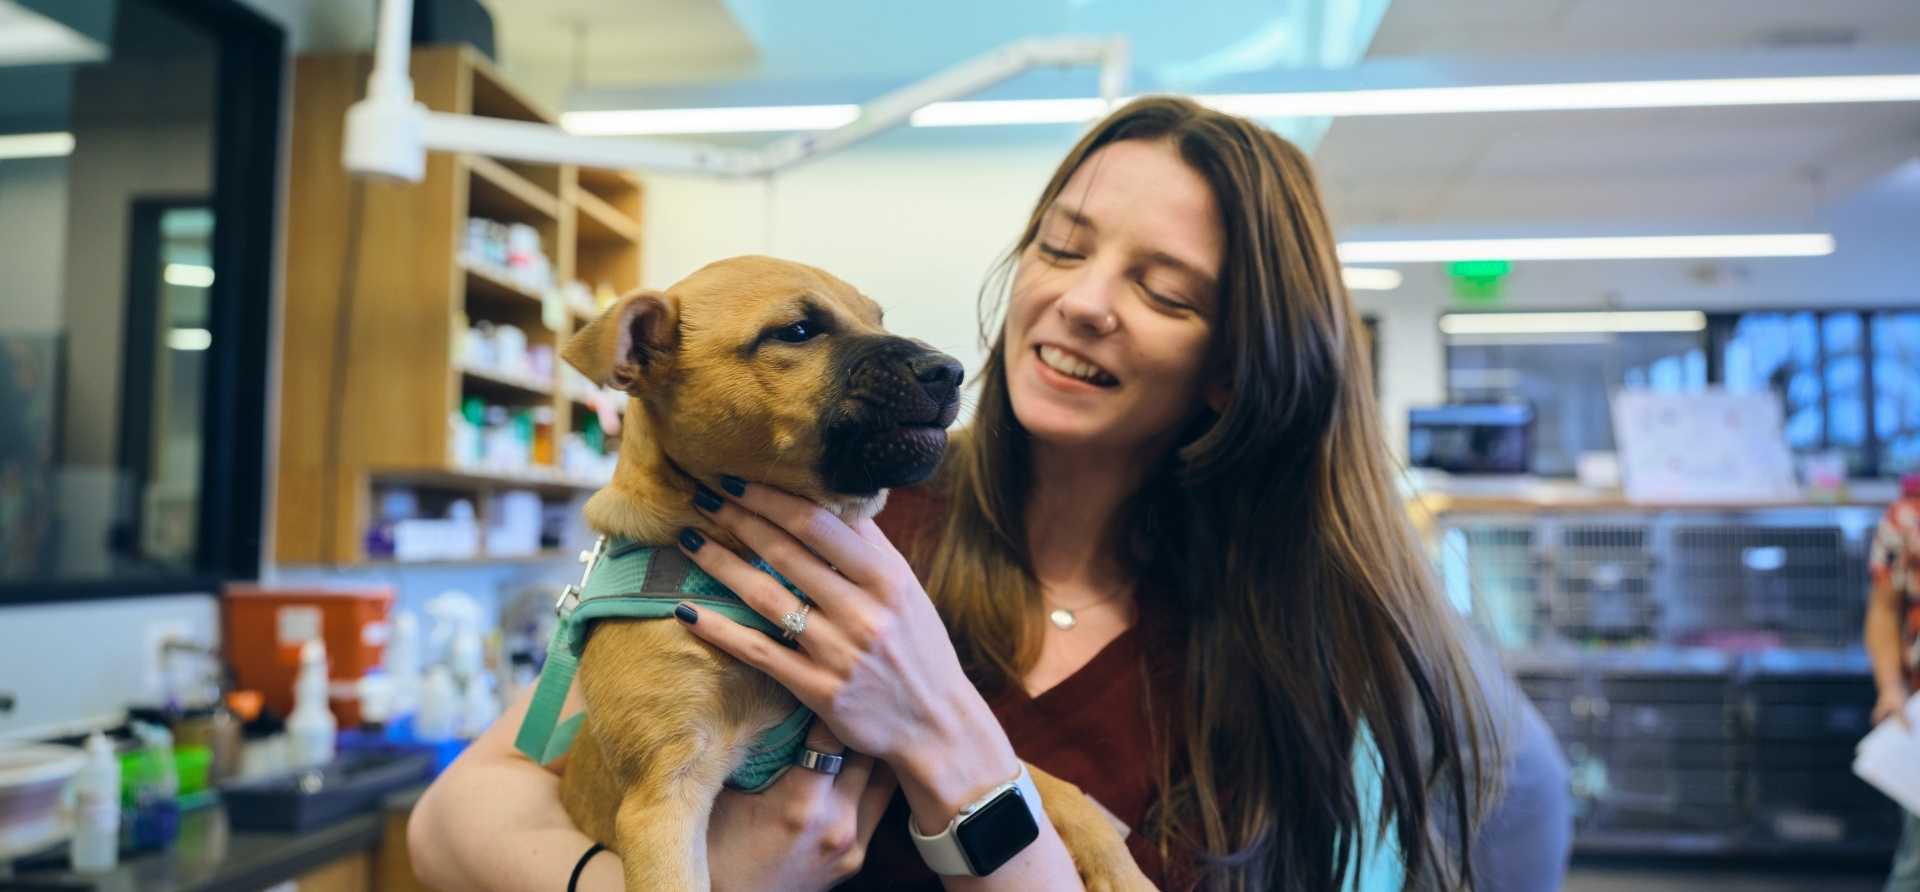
(570, 595)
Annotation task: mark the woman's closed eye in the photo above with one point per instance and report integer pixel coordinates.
(1057, 255)
(1168, 301)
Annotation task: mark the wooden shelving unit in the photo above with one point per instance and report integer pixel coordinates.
(397, 376)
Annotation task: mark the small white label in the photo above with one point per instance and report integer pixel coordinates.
(298, 625)
(375, 634)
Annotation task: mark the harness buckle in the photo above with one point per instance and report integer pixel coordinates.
(570, 596)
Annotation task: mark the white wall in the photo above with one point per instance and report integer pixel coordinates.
(68, 663)
(916, 222)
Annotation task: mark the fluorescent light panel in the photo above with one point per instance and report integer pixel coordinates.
(29, 38)
(1573, 97)
(743, 119)
(1803, 244)
(1329, 103)
(35, 145)
(192, 339)
(1364, 278)
(188, 275)
(993, 112)
(1572, 323)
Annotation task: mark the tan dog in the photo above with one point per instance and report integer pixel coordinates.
(780, 372)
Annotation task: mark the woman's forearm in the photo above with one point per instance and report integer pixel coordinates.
(953, 770)
(1882, 636)
(493, 822)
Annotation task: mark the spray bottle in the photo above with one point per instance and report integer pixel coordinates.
(311, 727)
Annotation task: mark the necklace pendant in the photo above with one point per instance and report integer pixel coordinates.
(1062, 619)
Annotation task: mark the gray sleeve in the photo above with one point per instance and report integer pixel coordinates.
(1524, 844)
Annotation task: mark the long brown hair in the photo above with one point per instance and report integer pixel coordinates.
(1275, 532)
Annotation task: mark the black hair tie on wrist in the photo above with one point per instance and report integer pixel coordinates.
(574, 881)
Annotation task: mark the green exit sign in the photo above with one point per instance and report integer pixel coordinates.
(1478, 280)
(1479, 269)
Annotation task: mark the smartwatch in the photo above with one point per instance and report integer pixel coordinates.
(986, 833)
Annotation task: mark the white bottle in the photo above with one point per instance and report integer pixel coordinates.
(310, 730)
(402, 662)
(439, 715)
(478, 707)
(96, 801)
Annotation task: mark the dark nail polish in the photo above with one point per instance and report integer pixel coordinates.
(734, 486)
(685, 614)
(691, 540)
(706, 499)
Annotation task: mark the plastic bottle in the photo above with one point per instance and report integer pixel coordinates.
(96, 795)
(402, 662)
(156, 789)
(439, 715)
(311, 727)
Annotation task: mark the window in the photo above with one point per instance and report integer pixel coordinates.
(1567, 379)
(1848, 380)
(1896, 390)
(133, 341)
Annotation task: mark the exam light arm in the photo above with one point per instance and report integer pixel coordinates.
(388, 134)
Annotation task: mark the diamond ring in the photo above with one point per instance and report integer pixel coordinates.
(795, 621)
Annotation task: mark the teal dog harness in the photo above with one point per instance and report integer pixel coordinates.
(626, 580)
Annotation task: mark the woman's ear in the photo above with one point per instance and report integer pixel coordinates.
(630, 343)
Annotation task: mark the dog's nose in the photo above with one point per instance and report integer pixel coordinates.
(939, 375)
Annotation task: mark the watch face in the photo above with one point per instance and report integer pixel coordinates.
(991, 836)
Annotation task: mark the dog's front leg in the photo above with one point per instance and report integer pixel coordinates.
(660, 826)
(1099, 852)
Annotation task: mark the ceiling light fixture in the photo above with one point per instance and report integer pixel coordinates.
(1572, 323)
(1365, 278)
(1807, 244)
(188, 275)
(35, 145)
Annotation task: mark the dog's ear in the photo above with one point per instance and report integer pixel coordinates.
(628, 343)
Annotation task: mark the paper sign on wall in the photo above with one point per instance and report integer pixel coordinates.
(1711, 446)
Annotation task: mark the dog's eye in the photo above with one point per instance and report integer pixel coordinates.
(798, 332)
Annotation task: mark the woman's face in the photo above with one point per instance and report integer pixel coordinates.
(1112, 305)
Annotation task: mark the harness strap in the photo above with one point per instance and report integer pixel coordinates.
(631, 581)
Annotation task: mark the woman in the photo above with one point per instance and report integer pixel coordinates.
(1169, 562)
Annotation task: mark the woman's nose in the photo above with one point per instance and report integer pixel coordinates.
(1088, 303)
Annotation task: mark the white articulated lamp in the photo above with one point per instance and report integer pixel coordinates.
(388, 134)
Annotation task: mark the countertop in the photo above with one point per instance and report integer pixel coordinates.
(210, 856)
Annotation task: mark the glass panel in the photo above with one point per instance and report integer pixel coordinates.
(1776, 352)
(1568, 380)
(107, 261)
(1844, 338)
(1896, 391)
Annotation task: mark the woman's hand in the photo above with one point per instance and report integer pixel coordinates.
(874, 661)
(807, 832)
(1891, 704)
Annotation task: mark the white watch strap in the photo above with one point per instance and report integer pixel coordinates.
(942, 851)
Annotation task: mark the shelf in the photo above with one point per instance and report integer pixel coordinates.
(514, 385)
(601, 222)
(500, 194)
(493, 97)
(539, 557)
(546, 480)
(604, 181)
(488, 284)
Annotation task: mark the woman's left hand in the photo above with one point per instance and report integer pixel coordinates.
(874, 660)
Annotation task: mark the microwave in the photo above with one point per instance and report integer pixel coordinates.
(1472, 438)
